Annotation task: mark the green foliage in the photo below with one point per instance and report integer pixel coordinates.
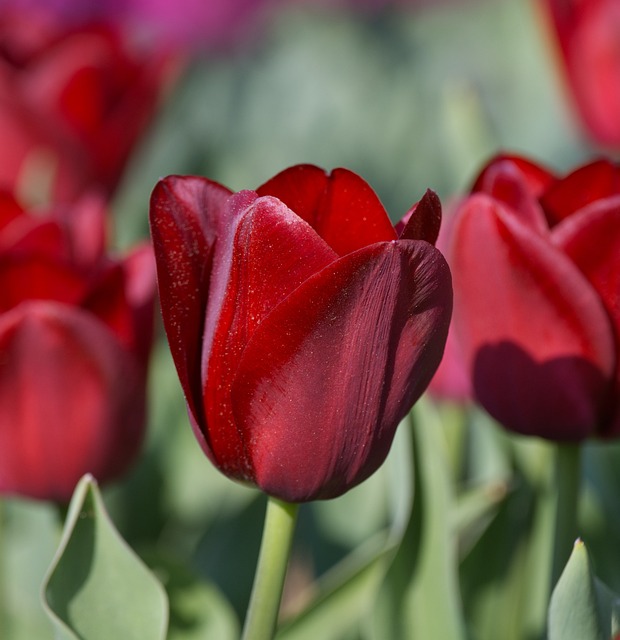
(419, 595)
(97, 588)
(582, 607)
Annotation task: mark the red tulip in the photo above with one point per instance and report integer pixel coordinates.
(75, 332)
(73, 102)
(302, 327)
(587, 33)
(536, 263)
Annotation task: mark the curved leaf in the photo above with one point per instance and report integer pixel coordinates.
(96, 587)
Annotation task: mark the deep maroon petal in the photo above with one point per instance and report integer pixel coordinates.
(183, 232)
(423, 221)
(599, 179)
(273, 252)
(591, 238)
(342, 207)
(534, 332)
(326, 378)
(71, 401)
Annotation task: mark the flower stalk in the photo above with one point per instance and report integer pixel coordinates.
(262, 615)
(567, 482)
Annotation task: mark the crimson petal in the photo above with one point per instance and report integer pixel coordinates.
(342, 207)
(599, 179)
(591, 238)
(183, 233)
(326, 378)
(28, 278)
(71, 401)
(536, 178)
(273, 252)
(517, 183)
(534, 332)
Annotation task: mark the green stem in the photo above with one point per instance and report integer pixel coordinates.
(568, 482)
(3, 574)
(262, 615)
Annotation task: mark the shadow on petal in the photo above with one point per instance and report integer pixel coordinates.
(559, 399)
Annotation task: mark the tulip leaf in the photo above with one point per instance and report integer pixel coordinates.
(582, 607)
(419, 596)
(96, 587)
(29, 531)
(345, 594)
(197, 608)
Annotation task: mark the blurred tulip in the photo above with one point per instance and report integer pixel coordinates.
(73, 103)
(75, 335)
(587, 32)
(451, 380)
(302, 326)
(536, 264)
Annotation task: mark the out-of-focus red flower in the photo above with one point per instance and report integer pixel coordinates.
(451, 380)
(588, 33)
(73, 102)
(536, 265)
(75, 334)
(303, 327)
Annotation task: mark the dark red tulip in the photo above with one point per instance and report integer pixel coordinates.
(75, 334)
(587, 34)
(302, 326)
(536, 264)
(73, 102)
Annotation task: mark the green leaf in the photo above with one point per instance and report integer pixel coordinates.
(345, 595)
(582, 607)
(29, 535)
(419, 597)
(197, 608)
(96, 587)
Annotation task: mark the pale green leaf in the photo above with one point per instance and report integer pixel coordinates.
(96, 587)
(582, 608)
(419, 597)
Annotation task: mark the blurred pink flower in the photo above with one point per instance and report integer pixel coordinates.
(194, 24)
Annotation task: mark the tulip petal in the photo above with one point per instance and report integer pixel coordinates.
(71, 401)
(534, 332)
(517, 183)
(588, 36)
(423, 221)
(183, 233)
(28, 235)
(84, 223)
(273, 252)
(326, 378)
(599, 179)
(536, 178)
(9, 209)
(341, 207)
(38, 278)
(591, 238)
